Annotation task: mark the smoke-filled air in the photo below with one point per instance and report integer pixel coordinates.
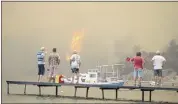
(101, 33)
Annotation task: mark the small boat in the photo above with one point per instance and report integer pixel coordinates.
(92, 78)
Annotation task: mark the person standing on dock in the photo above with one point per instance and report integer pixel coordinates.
(41, 63)
(54, 61)
(138, 62)
(75, 64)
(158, 62)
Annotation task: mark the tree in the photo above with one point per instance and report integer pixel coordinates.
(172, 55)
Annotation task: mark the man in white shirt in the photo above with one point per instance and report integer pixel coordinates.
(75, 63)
(158, 62)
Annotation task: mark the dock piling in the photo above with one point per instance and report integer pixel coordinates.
(56, 91)
(25, 90)
(7, 88)
(39, 90)
(75, 91)
(87, 92)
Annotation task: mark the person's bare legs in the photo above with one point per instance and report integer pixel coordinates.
(135, 77)
(160, 77)
(139, 81)
(77, 74)
(159, 81)
(156, 80)
(40, 78)
(135, 81)
(41, 72)
(140, 74)
(49, 77)
(52, 74)
(73, 76)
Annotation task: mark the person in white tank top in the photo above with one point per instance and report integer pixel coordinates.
(75, 63)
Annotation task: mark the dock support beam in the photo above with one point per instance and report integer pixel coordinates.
(87, 92)
(25, 90)
(56, 91)
(116, 93)
(75, 91)
(39, 90)
(150, 96)
(87, 89)
(7, 88)
(116, 89)
(102, 94)
(143, 95)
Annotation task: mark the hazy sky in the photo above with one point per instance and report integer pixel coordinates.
(26, 26)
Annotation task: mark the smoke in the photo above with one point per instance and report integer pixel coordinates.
(26, 26)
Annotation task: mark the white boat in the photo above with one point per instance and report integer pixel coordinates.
(92, 78)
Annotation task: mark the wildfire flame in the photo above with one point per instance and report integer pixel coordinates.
(76, 42)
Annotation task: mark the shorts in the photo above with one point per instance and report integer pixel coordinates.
(158, 72)
(75, 70)
(52, 71)
(138, 73)
(41, 69)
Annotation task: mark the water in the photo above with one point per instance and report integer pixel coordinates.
(17, 91)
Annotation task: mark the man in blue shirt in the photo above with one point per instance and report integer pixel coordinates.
(41, 63)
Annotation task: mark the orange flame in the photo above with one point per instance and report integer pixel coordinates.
(76, 42)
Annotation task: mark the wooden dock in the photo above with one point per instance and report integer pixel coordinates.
(102, 87)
